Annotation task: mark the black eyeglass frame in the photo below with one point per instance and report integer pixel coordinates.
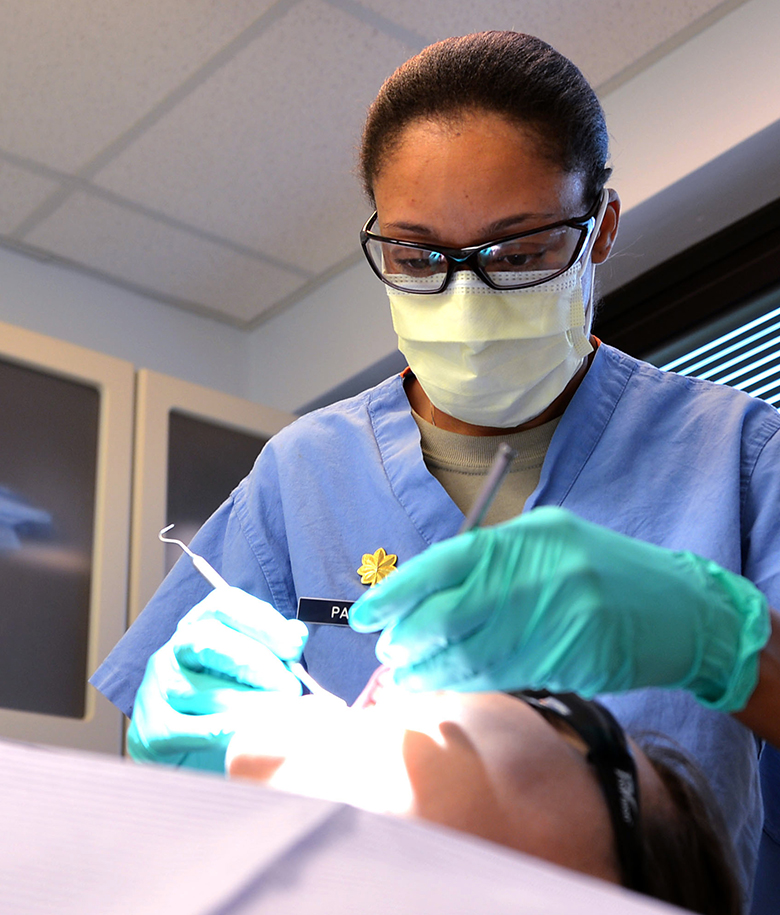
(459, 258)
(611, 757)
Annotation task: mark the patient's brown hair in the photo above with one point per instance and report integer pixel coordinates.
(688, 855)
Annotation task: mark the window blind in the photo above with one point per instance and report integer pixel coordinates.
(742, 350)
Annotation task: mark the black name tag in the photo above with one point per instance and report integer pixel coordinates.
(324, 610)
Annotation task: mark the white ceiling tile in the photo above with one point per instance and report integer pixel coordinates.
(20, 192)
(602, 38)
(148, 254)
(240, 124)
(75, 74)
(263, 153)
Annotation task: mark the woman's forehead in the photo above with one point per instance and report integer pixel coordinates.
(446, 178)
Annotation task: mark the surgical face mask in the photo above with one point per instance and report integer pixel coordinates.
(496, 357)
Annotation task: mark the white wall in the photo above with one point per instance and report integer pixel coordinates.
(82, 309)
(332, 334)
(705, 97)
(696, 140)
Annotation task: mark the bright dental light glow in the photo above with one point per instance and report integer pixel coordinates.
(307, 740)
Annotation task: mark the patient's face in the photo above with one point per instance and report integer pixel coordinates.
(482, 763)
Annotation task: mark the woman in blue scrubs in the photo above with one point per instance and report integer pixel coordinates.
(636, 541)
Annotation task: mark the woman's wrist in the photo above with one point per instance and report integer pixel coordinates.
(762, 712)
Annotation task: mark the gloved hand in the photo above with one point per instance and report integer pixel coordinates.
(548, 600)
(198, 687)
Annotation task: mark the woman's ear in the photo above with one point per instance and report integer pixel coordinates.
(608, 230)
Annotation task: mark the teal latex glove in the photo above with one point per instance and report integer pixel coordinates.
(194, 693)
(548, 600)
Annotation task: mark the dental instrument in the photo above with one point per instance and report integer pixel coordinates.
(217, 581)
(498, 470)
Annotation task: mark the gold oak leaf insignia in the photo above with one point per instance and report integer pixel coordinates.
(376, 566)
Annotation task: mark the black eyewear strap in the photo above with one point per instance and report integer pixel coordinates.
(610, 756)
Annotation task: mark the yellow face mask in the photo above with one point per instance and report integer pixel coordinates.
(496, 357)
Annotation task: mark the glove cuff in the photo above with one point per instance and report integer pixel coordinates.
(739, 629)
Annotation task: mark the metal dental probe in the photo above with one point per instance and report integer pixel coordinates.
(505, 454)
(217, 581)
(498, 470)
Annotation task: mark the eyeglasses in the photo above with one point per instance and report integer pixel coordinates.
(514, 262)
(608, 753)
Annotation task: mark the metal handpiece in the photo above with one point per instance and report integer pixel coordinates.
(498, 470)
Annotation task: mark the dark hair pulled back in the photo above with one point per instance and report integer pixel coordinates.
(689, 860)
(507, 73)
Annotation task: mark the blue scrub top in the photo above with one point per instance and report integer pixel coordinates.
(672, 460)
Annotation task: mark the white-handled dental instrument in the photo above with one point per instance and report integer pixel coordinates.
(217, 581)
